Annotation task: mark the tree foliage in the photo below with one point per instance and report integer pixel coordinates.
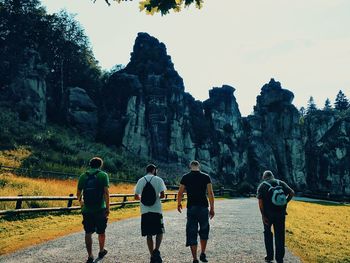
(341, 102)
(311, 106)
(163, 6)
(327, 105)
(59, 39)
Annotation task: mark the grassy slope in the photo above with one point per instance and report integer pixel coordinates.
(319, 232)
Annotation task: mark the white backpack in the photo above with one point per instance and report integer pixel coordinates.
(277, 195)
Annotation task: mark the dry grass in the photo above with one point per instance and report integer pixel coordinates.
(319, 232)
(26, 230)
(13, 158)
(12, 185)
(17, 234)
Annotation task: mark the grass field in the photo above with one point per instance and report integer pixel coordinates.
(319, 232)
(21, 231)
(12, 185)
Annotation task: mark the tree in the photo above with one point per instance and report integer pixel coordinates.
(327, 105)
(311, 106)
(162, 6)
(341, 102)
(302, 111)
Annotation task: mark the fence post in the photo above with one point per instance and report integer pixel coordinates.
(222, 191)
(19, 203)
(70, 201)
(166, 196)
(125, 198)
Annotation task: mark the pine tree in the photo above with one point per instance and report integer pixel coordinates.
(302, 111)
(341, 102)
(327, 105)
(311, 105)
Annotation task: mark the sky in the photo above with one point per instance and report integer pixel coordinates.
(304, 44)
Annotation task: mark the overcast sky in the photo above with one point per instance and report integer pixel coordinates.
(304, 44)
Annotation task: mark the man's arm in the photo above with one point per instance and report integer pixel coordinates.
(291, 194)
(79, 197)
(211, 200)
(261, 207)
(106, 196)
(162, 194)
(180, 193)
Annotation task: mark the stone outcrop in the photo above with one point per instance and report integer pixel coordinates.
(81, 112)
(275, 136)
(28, 90)
(327, 136)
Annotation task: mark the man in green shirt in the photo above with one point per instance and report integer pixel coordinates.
(93, 195)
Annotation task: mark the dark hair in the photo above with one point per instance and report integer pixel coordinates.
(96, 162)
(150, 168)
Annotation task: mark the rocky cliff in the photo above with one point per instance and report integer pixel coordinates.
(144, 109)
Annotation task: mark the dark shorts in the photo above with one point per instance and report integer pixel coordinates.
(95, 222)
(152, 224)
(197, 216)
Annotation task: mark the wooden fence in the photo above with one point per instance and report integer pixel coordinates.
(20, 199)
(127, 199)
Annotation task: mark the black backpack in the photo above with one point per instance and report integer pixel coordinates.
(276, 196)
(92, 192)
(148, 195)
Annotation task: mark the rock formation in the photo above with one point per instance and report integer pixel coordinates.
(28, 90)
(81, 112)
(275, 136)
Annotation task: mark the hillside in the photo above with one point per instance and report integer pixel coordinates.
(63, 109)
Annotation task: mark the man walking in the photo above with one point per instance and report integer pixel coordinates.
(197, 184)
(273, 196)
(149, 189)
(93, 195)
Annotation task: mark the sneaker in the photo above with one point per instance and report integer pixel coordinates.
(102, 253)
(203, 257)
(195, 261)
(156, 256)
(90, 260)
(267, 259)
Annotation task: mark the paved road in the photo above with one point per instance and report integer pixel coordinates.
(236, 236)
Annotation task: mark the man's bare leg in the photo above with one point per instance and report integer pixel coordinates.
(101, 241)
(88, 244)
(203, 245)
(194, 252)
(150, 244)
(159, 239)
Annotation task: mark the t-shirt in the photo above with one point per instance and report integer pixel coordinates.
(196, 183)
(158, 185)
(262, 193)
(103, 181)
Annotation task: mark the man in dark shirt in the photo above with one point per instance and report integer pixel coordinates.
(197, 184)
(273, 214)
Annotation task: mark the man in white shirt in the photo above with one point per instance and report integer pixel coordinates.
(151, 215)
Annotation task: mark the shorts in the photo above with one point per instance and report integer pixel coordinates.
(95, 222)
(152, 224)
(197, 215)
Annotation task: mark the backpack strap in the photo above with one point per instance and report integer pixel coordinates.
(149, 180)
(268, 184)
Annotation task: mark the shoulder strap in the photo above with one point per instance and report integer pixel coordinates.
(94, 173)
(264, 182)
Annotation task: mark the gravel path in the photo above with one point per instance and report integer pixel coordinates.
(236, 236)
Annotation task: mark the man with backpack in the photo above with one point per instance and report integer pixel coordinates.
(197, 184)
(93, 195)
(149, 189)
(273, 196)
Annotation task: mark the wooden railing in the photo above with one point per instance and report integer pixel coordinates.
(20, 199)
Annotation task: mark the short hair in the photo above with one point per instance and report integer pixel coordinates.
(150, 168)
(96, 162)
(194, 163)
(268, 174)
